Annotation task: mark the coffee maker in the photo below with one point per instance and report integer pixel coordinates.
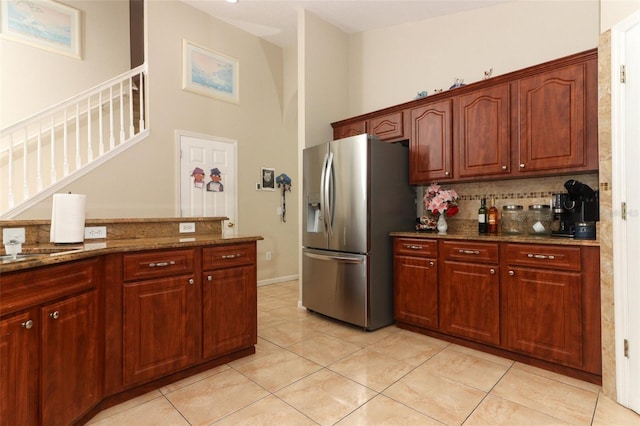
(578, 207)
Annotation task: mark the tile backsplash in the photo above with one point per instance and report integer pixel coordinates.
(515, 191)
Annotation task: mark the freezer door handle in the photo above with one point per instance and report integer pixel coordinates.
(341, 259)
(326, 191)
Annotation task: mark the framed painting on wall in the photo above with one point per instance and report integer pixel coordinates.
(210, 73)
(268, 176)
(44, 24)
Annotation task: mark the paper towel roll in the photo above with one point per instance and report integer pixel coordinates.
(67, 218)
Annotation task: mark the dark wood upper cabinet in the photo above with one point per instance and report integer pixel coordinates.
(430, 146)
(349, 129)
(482, 137)
(389, 127)
(557, 119)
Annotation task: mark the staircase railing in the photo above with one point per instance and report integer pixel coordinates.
(46, 151)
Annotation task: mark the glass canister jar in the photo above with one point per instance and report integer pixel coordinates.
(539, 219)
(513, 219)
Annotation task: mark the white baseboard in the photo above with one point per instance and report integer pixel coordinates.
(278, 280)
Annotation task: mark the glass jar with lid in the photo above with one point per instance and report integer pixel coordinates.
(513, 219)
(539, 219)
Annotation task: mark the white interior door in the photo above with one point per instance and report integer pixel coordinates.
(208, 178)
(626, 206)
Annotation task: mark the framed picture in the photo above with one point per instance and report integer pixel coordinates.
(268, 176)
(209, 73)
(44, 24)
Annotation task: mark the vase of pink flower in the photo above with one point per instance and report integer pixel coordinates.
(441, 203)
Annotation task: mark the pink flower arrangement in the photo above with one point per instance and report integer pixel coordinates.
(438, 200)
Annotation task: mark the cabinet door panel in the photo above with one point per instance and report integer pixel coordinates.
(469, 307)
(416, 290)
(160, 327)
(18, 370)
(431, 143)
(482, 140)
(387, 127)
(545, 316)
(229, 310)
(348, 130)
(554, 126)
(71, 373)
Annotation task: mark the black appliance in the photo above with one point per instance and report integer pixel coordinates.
(580, 204)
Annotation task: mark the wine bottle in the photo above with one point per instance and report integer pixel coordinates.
(483, 220)
(493, 217)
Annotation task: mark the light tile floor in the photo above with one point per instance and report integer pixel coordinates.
(310, 370)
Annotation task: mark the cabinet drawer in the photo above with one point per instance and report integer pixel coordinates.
(415, 247)
(158, 264)
(470, 251)
(228, 255)
(543, 256)
(20, 290)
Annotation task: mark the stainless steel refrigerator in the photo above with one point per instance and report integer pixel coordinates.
(356, 191)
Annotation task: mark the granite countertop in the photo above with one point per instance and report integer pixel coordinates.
(474, 236)
(123, 235)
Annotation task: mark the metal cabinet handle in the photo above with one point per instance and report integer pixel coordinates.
(469, 251)
(191, 281)
(504, 167)
(55, 315)
(492, 271)
(231, 256)
(161, 264)
(432, 263)
(446, 173)
(541, 256)
(209, 278)
(27, 324)
(412, 247)
(511, 273)
(522, 165)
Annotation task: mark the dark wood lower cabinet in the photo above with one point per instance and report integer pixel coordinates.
(470, 301)
(70, 367)
(160, 327)
(19, 350)
(535, 303)
(225, 294)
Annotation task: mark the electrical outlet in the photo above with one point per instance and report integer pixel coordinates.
(13, 234)
(268, 255)
(95, 232)
(187, 227)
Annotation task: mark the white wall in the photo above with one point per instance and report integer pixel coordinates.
(614, 11)
(143, 181)
(389, 66)
(33, 79)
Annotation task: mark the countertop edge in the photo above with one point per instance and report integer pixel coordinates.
(501, 238)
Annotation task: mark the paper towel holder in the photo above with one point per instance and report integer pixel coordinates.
(67, 218)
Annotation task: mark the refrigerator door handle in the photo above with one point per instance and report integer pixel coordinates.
(341, 259)
(323, 205)
(326, 184)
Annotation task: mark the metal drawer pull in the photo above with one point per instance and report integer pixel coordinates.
(161, 264)
(469, 251)
(191, 281)
(55, 314)
(27, 324)
(231, 256)
(492, 271)
(431, 263)
(412, 247)
(512, 273)
(541, 256)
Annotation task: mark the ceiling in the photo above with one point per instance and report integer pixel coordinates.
(276, 20)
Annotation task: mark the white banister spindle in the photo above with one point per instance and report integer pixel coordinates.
(65, 147)
(100, 126)
(112, 137)
(25, 164)
(78, 158)
(132, 130)
(39, 158)
(89, 135)
(141, 92)
(53, 149)
(10, 179)
(122, 135)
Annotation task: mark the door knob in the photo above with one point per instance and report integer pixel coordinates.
(55, 314)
